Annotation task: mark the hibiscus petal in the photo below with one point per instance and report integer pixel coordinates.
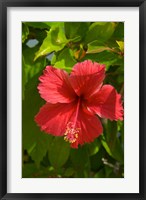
(53, 118)
(89, 127)
(86, 78)
(106, 103)
(55, 86)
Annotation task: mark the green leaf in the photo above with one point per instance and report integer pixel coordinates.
(114, 142)
(111, 132)
(108, 171)
(25, 32)
(38, 34)
(77, 154)
(55, 41)
(61, 65)
(23, 78)
(121, 45)
(115, 75)
(28, 170)
(39, 25)
(76, 30)
(59, 152)
(101, 31)
(119, 32)
(34, 141)
(65, 60)
(100, 174)
(55, 24)
(106, 57)
(122, 134)
(94, 147)
(96, 159)
(105, 145)
(31, 67)
(111, 142)
(80, 161)
(96, 47)
(69, 172)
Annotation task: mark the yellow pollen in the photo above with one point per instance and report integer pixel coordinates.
(71, 133)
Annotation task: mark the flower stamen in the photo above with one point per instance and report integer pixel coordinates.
(71, 133)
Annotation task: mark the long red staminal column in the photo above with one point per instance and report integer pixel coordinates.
(71, 133)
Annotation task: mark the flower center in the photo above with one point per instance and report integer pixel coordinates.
(71, 133)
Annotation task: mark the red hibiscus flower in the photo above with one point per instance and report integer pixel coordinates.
(74, 101)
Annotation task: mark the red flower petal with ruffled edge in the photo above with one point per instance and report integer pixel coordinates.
(55, 86)
(106, 103)
(53, 118)
(86, 78)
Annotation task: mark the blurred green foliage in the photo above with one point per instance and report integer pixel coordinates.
(63, 44)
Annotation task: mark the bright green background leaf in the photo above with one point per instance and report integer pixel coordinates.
(54, 41)
(101, 31)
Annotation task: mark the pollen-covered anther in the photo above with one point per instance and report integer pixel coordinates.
(71, 133)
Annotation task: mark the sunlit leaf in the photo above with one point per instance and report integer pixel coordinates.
(100, 31)
(54, 41)
(65, 60)
(96, 47)
(121, 45)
